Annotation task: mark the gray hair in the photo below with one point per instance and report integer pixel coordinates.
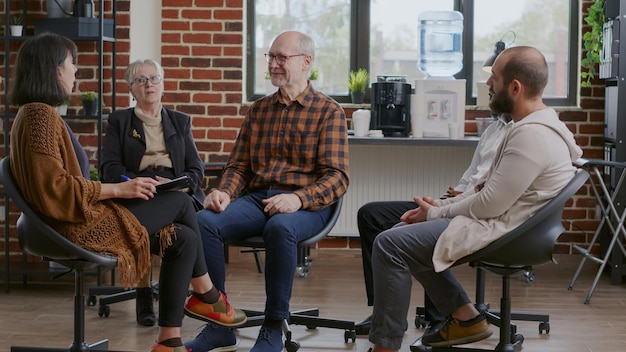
(307, 45)
(132, 69)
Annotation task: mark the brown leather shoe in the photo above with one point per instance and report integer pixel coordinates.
(456, 332)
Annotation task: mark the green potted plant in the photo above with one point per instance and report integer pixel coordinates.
(269, 87)
(357, 82)
(16, 26)
(592, 42)
(90, 103)
(93, 174)
(314, 75)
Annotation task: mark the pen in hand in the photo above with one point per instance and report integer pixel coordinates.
(125, 178)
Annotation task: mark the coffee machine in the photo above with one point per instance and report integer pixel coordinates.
(391, 106)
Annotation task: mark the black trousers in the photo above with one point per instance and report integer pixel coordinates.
(372, 219)
(181, 261)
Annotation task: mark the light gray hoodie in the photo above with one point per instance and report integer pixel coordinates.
(532, 165)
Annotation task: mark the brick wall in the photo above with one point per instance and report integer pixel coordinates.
(202, 54)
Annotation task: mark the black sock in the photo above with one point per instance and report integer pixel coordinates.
(210, 297)
(173, 342)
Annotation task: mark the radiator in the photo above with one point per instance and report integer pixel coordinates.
(393, 172)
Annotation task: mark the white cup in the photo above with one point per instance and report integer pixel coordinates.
(454, 130)
(361, 122)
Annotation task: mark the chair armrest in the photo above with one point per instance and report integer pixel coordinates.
(587, 163)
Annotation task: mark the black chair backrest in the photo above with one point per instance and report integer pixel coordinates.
(38, 238)
(532, 242)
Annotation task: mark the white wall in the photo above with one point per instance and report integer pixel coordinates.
(145, 30)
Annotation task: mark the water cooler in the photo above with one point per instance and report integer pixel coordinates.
(391, 106)
(437, 103)
(439, 99)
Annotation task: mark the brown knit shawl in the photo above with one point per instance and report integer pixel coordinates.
(46, 169)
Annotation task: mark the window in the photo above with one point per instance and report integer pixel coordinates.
(326, 21)
(382, 36)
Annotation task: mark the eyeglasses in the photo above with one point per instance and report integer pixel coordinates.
(142, 81)
(280, 59)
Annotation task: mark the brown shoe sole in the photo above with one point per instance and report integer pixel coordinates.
(467, 339)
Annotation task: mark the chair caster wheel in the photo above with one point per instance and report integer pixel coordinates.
(292, 346)
(530, 276)
(91, 300)
(420, 321)
(517, 339)
(104, 311)
(303, 272)
(349, 335)
(544, 326)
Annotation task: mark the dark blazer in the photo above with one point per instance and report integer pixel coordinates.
(124, 146)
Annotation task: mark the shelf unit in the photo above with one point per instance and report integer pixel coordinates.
(26, 268)
(613, 62)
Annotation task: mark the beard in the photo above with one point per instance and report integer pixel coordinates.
(501, 103)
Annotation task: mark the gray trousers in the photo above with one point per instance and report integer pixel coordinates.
(398, 253)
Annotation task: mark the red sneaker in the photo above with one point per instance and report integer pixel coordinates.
(220, 312)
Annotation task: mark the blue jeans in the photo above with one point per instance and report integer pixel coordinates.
(245, 218)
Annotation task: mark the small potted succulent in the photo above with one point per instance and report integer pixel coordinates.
(90, 103)
(16, 26)
(357, 82)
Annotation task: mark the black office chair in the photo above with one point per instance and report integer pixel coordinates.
(528, 245)
(106, 295)
(307, 317)
(39, 239)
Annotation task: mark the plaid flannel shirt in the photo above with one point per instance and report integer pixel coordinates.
(303, 145)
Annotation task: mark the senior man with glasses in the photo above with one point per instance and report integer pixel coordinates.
(288, 164)
(153, 141)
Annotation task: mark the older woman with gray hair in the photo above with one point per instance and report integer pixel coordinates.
(150, 140)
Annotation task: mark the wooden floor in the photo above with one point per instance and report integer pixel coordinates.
(40, 314)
